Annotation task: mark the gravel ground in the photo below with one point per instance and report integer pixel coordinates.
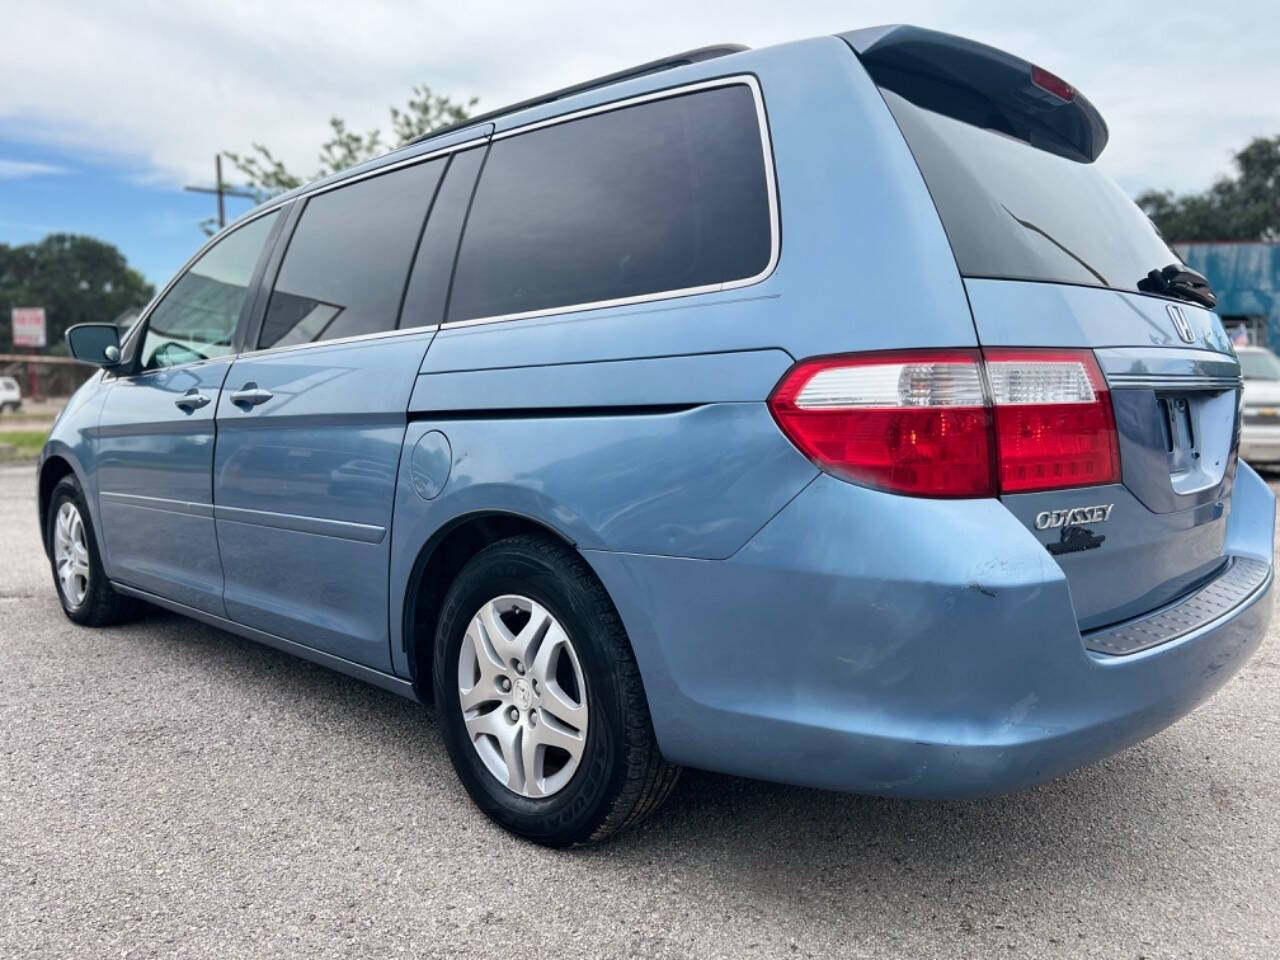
(170, 790)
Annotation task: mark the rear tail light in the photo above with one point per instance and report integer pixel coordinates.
(1054, 423)
(913, 422)
(953, 423)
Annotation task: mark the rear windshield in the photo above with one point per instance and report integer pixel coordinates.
(1015, 212)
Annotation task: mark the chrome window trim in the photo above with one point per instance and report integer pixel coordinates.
(273, 206)
(771, 190)
(338, 341)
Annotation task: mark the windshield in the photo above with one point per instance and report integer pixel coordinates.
(1259, 364)
(1013, 211)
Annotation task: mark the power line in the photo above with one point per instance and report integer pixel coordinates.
(222, 190)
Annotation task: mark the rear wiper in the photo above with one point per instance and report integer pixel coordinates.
(1179, 280)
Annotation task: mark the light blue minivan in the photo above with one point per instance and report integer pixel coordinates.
(816, 413)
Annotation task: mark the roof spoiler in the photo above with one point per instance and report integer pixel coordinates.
(982, 86)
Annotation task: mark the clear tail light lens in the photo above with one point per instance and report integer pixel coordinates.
(925, 423)
(1054, 423)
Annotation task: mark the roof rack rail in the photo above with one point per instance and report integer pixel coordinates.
(653, 66)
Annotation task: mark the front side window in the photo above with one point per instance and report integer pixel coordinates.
(658, 197)
(197, 317)
(344, 272)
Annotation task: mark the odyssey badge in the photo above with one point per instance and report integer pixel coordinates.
(1052, 519)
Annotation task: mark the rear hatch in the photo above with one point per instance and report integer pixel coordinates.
(1055, 255)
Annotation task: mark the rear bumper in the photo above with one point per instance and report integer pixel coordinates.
(884, 645)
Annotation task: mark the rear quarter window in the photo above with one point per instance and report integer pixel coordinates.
(661, 196)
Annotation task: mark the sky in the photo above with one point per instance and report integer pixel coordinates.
(107, 110)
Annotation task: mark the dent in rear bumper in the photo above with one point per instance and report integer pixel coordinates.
(879, 644)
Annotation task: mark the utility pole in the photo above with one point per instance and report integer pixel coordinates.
(222, 190)
(33, 376)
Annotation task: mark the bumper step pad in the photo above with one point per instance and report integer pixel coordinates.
(1241, 580)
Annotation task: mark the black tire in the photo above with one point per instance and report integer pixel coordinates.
(8, 408)
(622, 777)
(101, 605)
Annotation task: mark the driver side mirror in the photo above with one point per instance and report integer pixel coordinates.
(97, 343)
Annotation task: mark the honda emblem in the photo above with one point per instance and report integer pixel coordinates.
(1180, 322)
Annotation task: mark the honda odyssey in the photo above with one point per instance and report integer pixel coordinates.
(817, 413)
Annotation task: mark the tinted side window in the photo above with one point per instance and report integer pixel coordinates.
(657, 197)
(198, 316)
(344, 271)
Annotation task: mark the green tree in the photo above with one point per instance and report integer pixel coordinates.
(1241, 207)
(266, 175)
(76, 279)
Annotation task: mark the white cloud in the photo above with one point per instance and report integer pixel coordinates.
(165, 85)
(20, 169)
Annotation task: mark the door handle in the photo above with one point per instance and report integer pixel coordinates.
(250, 396)
(191, 400)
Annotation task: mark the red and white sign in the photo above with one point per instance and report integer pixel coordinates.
(28, 327)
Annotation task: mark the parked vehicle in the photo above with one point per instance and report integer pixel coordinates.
(10, 395)
(1260, 433)
(817, 413)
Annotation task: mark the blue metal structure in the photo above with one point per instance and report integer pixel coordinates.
(1246, 279)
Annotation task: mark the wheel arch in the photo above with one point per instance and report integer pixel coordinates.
(52, 471)
(438, 562)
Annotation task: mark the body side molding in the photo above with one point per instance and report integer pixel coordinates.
(376, 677)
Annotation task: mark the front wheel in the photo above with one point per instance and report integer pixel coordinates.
(540, 698)
(87, 597)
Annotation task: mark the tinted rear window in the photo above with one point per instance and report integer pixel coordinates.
(1013, 211)
(658, 197)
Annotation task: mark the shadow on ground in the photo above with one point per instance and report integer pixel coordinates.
(777, 842)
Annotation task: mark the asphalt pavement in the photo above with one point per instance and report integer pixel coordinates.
(169, 790)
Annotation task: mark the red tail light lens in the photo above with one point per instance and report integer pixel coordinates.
(934, 423)
(1054, 423)
(912, 422)
(1051, 83)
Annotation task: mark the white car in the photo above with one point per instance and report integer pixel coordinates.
(10, 395)
(1260, 431)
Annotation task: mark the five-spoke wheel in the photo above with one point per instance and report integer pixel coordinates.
(86, 594)
(543, 710)
(523, 696)
(71, 554)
